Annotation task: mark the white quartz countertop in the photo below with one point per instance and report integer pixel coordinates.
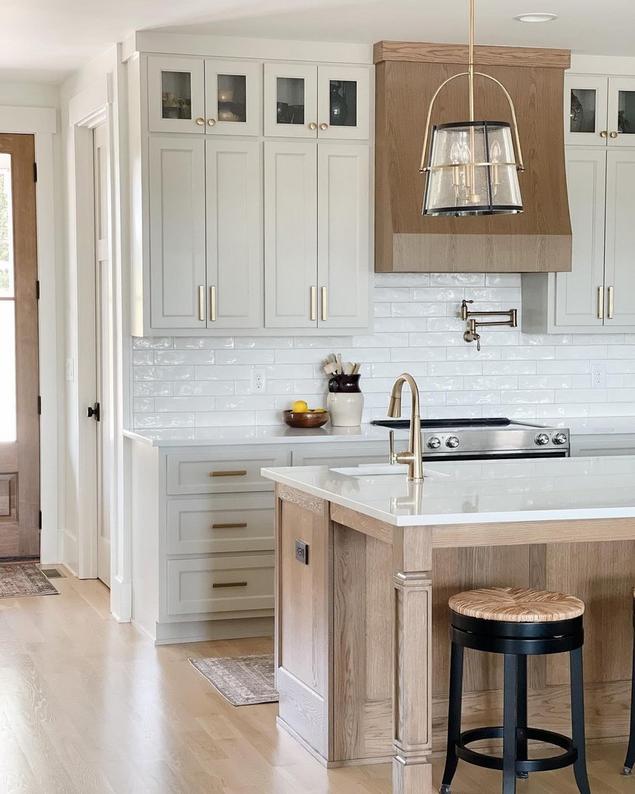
(264, 434)
(281, 434)
(479, 492)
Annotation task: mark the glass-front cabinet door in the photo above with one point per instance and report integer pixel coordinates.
(343, 102)
(290, 100)
(176, 94)
(585, 110)
(233, 97)
(621, 124)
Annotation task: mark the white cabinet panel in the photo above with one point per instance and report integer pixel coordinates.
(224, 523)
(290, 98)
(343, 102)
(233, 97)
(621, 111)
(223, 584)
(177, 232)
(176, 94)
(620, 237)
(234, 233)
(342, 454)
(343, 234)
(579, 293)
(290, 234)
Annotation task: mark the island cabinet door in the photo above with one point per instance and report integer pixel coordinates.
(303, 552)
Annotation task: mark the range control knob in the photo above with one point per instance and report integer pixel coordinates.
(452, 442)
(542, 439)
(434, 442)
(559, 438)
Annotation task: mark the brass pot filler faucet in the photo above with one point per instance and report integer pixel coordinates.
(471, 334)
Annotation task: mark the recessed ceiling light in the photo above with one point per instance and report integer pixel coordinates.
(536, 16)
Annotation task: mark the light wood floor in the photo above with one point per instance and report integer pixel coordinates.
(88, 705)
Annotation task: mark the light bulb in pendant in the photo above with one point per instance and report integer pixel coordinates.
(495, 158)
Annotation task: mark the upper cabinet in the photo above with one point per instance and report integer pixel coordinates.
(199, 95)
(309, 101)
(234, 231)
(599, 110)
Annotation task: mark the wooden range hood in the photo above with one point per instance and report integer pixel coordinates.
(538, 240)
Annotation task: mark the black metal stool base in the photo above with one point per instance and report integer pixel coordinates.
(568, 758)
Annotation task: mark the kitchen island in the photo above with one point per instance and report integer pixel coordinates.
(365, 564)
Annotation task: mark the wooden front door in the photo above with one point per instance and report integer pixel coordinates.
(19, 382)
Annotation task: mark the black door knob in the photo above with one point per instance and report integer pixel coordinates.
(94, 412)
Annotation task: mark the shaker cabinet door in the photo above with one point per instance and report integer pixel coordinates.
(233, 97)
(580, 294)
(290, 234)
(343, 103)
(621, 123)
(620, 237)
(290, 98)
(343, 234)
(176, 94)
(585, 110)
(177, 232)
(234, 233)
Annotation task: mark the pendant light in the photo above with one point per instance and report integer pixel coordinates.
(471, 167)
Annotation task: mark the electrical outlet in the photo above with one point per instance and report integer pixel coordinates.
(598, 375)
(258, 380)
(302, 552)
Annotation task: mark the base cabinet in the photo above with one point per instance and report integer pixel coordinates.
(202, 524)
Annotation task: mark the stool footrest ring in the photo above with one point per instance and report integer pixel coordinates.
(567, 758)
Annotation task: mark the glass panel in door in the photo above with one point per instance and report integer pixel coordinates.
(176, 95)
(8, 415)
(582, 110)
(585, 110)
(343, 102)
(625, 113)
(290, 100)
(231, 92)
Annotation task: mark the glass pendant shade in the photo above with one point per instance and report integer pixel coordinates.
(472, 170)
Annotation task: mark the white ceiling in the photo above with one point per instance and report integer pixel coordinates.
(47, 39)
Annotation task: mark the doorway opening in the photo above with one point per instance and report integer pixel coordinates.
(20, 518)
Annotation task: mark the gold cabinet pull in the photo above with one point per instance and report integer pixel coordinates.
(212, 304)
(312, 125)
(325, 314)
(229, 584)
(236, 473)
(201, 302)
(611, 303)
(239, 525)
(613, 134)
(211, 122)
(314, 303)
(200, 121)
(604, 134)
(600, 303)
(324, 126)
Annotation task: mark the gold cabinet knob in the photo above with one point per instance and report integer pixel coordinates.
(613, 134)
(324, 126)
(200, 121)
(313, 126)
(211, 122)
(604, 134)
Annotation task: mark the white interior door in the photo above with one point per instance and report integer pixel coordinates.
(103, 344)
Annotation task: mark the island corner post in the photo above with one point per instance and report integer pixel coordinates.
(361, 633)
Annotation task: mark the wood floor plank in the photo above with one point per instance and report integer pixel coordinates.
(89, 706)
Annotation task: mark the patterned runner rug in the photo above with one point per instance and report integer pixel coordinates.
(18, 579)
(242, 680)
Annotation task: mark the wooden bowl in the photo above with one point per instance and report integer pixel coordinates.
(306, 418)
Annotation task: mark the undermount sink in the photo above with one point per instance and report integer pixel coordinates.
(371, 469)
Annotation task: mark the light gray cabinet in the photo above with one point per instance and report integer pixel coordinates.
(317, 234)
(234, 233)
(177, 232)
(597, 294)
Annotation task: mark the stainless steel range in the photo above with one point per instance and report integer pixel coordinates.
(479, 439)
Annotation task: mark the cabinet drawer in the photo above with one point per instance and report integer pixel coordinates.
(226, 470)
(243, 522)
(347, 454)
(223, 584)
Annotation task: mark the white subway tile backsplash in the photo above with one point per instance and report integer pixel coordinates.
(190, 382)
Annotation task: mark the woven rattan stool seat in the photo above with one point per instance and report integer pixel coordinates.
(516, 605)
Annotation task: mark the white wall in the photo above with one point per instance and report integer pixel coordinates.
(203, 382)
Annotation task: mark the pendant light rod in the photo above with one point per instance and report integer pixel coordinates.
(470, 68)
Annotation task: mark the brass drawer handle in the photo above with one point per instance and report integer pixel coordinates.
(237, 473)
(239, 525)
(600, 303)
(325, 315)
(201, 302)
(212, 304)
(611, 303)
(229, 584)
(313, 303)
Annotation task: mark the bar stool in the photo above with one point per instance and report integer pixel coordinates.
(630, 755)
(517, 623)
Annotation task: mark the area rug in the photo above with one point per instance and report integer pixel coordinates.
(242, 680)
(18, 579)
